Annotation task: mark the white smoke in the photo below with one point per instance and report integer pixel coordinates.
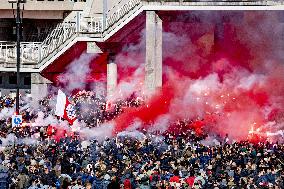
(161, 124)
(135, 125)
(248, 82)
(41, 120)
(208, 84)
(77, 71)
(99, 133)
(11, 139)
(210, 141)
(132, 134)
(6, 113)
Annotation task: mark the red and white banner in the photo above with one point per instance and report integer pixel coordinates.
(64, 108)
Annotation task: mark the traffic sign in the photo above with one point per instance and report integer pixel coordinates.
(16, 120)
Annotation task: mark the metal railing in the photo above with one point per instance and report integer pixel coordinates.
(91, 24)
(29, 52)
(119, 11)
(34, 52)
(59, 35)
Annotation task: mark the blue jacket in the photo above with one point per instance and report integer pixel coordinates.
(98, 184)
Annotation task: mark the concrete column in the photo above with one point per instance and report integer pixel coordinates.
(281, 33)
(78, 21)
(153, 64)
(111, 76)
(39, 87)
(218, 33)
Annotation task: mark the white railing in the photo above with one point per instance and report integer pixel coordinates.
(120, 10)
(35, 52)
(91, 24)
(66, 30)
(29, 52)
(59, 35)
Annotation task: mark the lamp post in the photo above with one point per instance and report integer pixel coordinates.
(18, 26)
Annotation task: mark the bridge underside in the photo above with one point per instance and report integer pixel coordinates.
(215, 33)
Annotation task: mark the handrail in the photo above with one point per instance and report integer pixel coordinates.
(59, 35)
(121, 12)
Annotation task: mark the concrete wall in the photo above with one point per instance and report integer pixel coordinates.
(95, 8)
(44, 9)
(39, 87)
(41, 5)
(46, 14)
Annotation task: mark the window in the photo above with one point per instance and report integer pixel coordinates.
(13, 79)
(27, 80)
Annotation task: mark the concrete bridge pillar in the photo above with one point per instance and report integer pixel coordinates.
(111, 75)
(39, 87)
(219, 32)
(153, 63)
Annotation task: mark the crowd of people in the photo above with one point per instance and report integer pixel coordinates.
(93, 109)
(137, 160)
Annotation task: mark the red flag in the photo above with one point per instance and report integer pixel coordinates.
(64, 108)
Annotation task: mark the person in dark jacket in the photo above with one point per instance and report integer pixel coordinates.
(114, 184)
(98, 182)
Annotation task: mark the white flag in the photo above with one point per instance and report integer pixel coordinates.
(64, 108)
(60, 104)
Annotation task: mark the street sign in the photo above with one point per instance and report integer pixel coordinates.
(16, 120)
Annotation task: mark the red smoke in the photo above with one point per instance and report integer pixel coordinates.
(232, 80)
(157, 105)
